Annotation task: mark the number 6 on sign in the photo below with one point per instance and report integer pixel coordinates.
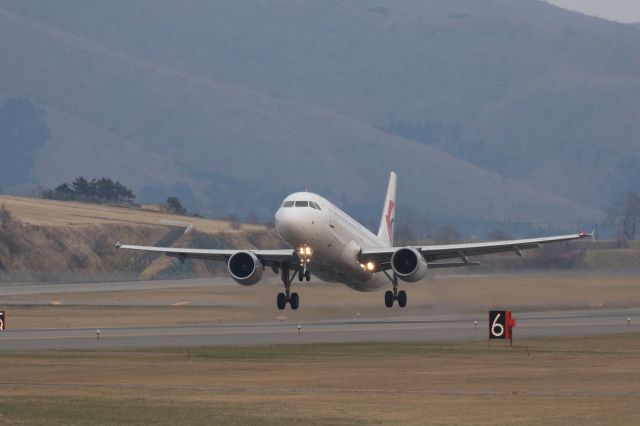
(497, 324)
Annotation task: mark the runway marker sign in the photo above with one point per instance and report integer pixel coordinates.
(501, 325)
(2, 317)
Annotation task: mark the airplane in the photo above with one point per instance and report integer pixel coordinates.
(328, 242)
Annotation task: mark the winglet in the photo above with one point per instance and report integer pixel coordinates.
(591, 235)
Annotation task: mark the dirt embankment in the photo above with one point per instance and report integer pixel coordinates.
(43, 235)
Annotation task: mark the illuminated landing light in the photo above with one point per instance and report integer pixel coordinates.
(369, 267)
(304, 253)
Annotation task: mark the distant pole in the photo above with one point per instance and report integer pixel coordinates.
(628, 321)
(299, 329)
(98, 334)
(475, 325)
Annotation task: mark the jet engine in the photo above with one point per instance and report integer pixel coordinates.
(245, 268)
(408, 264)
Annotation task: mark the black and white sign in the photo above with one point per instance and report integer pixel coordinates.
(1, 320)
(497, 325)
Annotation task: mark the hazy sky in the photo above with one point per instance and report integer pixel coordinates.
(615, 10)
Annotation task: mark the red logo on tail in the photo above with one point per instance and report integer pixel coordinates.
(389, 220)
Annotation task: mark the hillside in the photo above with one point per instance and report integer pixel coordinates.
(52, 237)
(492, 110)
(55, 236)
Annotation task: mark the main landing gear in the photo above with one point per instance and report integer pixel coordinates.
(391, 296)
(288, 297)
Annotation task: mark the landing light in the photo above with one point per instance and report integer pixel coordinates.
(304, 253)
(370, 266)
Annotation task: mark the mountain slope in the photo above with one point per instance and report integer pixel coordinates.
(266, 98)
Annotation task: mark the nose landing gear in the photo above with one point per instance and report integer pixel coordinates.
(304, 274)
(287, 277)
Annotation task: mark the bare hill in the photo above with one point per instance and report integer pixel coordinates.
(44, 235)
(517, 110)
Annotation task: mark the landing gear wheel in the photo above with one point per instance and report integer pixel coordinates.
(307, 275)
(388, 298)
(281, 301)
(402, 298)
(294, 301)
(300, 275)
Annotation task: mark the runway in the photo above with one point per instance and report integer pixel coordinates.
(427, 328)
(34, 289)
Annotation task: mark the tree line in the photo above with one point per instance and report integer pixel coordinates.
(626, 217)
(101, 191)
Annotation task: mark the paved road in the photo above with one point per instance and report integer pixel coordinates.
(429, 328)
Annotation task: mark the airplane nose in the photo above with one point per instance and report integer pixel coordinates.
(293, 225)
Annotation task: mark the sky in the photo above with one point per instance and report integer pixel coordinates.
(614, 10)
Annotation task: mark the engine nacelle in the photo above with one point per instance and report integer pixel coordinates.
(245, 268)
(408, 264)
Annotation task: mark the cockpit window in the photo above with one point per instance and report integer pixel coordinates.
(317, 205)
(302, 204)
(312, 205)
(288, 204)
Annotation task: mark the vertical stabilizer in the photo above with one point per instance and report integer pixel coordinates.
(385, 232)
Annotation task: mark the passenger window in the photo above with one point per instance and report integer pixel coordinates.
(302, 204)
(288, 204)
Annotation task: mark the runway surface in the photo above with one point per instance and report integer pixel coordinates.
(61, 288)
(428, 328)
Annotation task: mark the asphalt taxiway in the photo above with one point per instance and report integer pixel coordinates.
(427, 328)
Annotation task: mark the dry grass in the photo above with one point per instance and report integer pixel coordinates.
(555, 381)
(40, 212)
(47, 235)
(205, 304)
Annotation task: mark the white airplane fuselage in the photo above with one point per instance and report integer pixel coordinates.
(334, 237)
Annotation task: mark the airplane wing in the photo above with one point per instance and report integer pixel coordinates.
(435, 254)
(268, 257)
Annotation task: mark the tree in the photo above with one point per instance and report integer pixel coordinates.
(499, 235)
(175, 206)
(234, 222)
(448, 234)
(81, 186)
(103, 190)
(404, 234)
(252, 219)
(626, 217)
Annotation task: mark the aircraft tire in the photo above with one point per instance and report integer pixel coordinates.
(300, 275)
(295, 301)
(281, 301)
(402, 298)
(307, 275)
(388, 298)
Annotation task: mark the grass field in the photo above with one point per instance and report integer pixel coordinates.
(35, 211)
(570, 381)
(204, 303)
